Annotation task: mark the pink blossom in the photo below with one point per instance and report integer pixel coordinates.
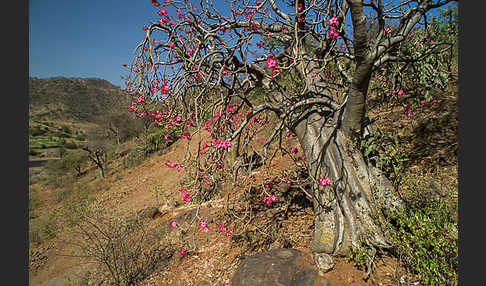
(182, 251)
(221, 227)
(170, 164)
(324, 181)
(202, 223)
(162, 11)
(260, 44)
(400, 91)
(173, 224)
(388, 30)
(185, 135)
(230, 233)
(271, 62)
(178, 167)
(140, 99)
(332, 34)
(166, 136)
(332, 21)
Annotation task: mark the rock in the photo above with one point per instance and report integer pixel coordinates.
(305, 277)
(282, 266)
(324, 262)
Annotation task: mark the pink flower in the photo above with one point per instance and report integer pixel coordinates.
(388, 30)
(205, 229)
(260, 44)
(224, 71)
(173, 224)
(230, 233)
(178, 167)
(183, 251)
(400, 91)
(221, 227)
(170, 164)
(185, 135)
(332, 34)
(162, 11)
(178, 118)
(273, 198)
(271, 62)
(140, 99)
(324, 181)
(332, 21)
(202, 223)
(166, 136)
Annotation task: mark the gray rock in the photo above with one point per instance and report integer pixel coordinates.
(324, 262)
(305, 277)
(279, 267)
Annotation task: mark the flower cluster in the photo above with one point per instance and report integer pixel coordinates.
(269, 199)
(204, 226)
(221, 143)
(171, 164)
(332, 33)
(185, 196)
(324, 181)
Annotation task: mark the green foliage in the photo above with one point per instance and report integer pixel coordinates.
(71, 145)
(427, 241)
(428, 71)
(155, 140)
(382, 150)
(361, 255)
(80, 137)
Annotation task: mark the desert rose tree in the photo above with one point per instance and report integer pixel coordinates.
(219, 68)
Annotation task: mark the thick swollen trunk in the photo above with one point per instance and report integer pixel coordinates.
(350, 209)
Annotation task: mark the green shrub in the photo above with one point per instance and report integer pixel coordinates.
(33, 152)
(36, 131)
(383, 150)
(80, 137)
(426, 239)
(70, 145)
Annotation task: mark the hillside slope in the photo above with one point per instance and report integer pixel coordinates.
(73, 99)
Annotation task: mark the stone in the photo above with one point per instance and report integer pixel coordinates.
(305, 277)
(324, 262)
(278, 267)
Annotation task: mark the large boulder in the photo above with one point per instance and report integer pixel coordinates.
(278, 267)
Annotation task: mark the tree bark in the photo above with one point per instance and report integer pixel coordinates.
(350, 210)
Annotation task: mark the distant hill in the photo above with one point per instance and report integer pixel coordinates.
(78, 99)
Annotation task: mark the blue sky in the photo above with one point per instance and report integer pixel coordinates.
(86, 38)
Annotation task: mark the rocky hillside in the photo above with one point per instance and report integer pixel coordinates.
(73, 99)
